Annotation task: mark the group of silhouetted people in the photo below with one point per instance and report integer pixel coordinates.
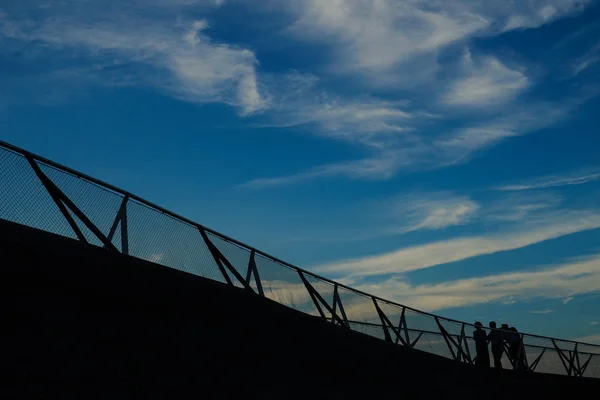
(506, 339)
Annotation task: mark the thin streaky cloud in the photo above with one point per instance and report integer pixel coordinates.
(568, 300)
(553, 181)
(576, 277)
(541, 312)
(443, 252)
(589, 59)
(418, 150)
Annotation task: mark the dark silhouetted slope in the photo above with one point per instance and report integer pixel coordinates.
(84, 322)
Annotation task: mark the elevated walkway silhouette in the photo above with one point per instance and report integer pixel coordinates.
(87, 322)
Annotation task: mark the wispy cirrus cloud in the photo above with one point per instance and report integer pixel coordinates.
(434, 210)
(178, 58)
(514, 207)
(586, 61)
(485, 82)
(572, 278)
(385, 41)
(375, 37)
(541, 312)
(409, 149)
(574, 178)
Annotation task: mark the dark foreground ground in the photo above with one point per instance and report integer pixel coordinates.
(81, 322)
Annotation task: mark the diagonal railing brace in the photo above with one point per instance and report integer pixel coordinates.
(62, 200)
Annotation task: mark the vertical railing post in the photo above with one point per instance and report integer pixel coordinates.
(125, 227)
(403, 328)
(337, 300)
(253, 270)
(121, 218)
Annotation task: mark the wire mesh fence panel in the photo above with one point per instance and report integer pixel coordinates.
(393, 313)
(534, 355)
(533, 346)
(455, 328)
(593, 368)
(99, 205)
(551, 363)
(284, 285)
(358, 307)
(433, 343)
(325, 290)
(117, 240)
(158, 238)
(584, 348)
(25, 200)
(417, 322)
(469, 347)
(565, 346)
(239, 257)
(368, 329)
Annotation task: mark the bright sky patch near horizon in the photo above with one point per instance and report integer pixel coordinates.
(443, 154)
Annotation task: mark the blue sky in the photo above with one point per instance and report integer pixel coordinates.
(443, 154)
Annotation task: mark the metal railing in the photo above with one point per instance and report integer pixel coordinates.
(40, 193)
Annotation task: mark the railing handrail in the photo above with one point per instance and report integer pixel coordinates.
(185, 220)
(537, 346)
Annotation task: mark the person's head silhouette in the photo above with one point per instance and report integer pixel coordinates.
(478, 325)
(493, 324)
(504, 327)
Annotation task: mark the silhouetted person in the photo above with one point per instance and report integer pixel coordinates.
(480, 337)
(497, 342)
(516, 349)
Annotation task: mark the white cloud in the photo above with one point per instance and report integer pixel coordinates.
(368, 168)
(594, 323)
(401, 214)
(376, 36)
(550, 181)
(434, 210)
(403, 147)
(443, 252)
(554, 282)
(177, 58)
(590, 58)
(485, 82)
(541, 312)
(567, 300)
(296, 99)
(513, 207)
